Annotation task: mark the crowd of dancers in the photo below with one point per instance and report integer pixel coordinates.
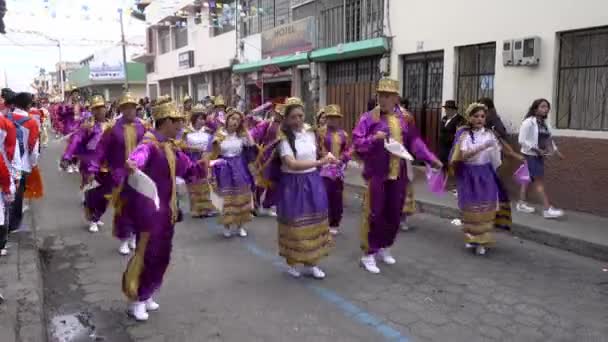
(265, 162)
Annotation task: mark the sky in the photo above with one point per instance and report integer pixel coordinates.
(82, 26)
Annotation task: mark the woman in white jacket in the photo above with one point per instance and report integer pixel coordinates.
(536, 143)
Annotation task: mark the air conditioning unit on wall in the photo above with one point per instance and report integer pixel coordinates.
(507, 53)
(526, 51)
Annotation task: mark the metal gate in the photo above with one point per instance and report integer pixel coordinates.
(423, 87)
(351, 84)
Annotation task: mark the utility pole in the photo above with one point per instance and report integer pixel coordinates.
(124, 50)
(61, 73)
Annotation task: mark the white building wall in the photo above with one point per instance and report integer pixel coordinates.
(445, 25)
(252, 48)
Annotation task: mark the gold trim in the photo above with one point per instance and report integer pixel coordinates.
(135, 267)
(364, 230)
(394, 126)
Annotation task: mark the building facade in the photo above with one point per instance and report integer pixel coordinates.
(515, 52)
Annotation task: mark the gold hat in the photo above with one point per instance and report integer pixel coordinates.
(127, 98)
(97, 101)
(165, 108)
(388, 85)
(187, 98)
(86, 103)
(333, 110)
(294, 101)
(199, 109)
(219, 101)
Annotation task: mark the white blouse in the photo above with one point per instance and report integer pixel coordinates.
(199, 139)
(306, 146)
(232, 145)
(490, 155)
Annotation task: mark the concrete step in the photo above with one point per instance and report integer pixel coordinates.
(579, 233)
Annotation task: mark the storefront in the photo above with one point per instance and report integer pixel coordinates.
(222, 85)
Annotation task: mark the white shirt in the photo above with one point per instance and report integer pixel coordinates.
(306, 146)
(199, 139)
(528, 136)
(232, 145)
(490, 155)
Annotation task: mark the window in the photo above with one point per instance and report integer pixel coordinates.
(181, 36)
(351, 21)
(164, 39)
(263, 15)
(150, 67)
(222, 17)
(476, 67)
(582, 95)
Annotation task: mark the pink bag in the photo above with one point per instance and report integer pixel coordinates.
(436, 180)
(522, 175)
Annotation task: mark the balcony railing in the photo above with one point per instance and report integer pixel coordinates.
(352, 21)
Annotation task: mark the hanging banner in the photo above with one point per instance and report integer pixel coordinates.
(107, 65)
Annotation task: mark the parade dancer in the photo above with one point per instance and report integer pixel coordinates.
(264, 134)
(83, 145)
(8, 142)
(198, 142)
(28, 144)
(475, 157)
(409, 207)
(302, 209)
(386, 174)
(159, 157)
(333, 139)
(115, 146)
(235, 149)
(219, 112)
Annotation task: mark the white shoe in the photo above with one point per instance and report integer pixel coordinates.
(266, 212)
(369, 263)
(480, 250)
(227, 233)
(469, 245)
(292, 271)
(25, 208)
(138, 311)
(242, 232)
(315, 272)
(124, 248)
(524, 207)
(3, 252)
(70, 170)
(93, 227)
(334, 231)
(100, 223)
(404, 227)
(385, 255)
(552, 213)
(133, 243)
(151, 305)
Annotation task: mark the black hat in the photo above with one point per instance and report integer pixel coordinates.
(23, 100)
(450, 104)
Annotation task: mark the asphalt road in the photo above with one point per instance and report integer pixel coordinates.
(234, 290)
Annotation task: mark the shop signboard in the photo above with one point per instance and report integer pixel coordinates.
(298, 3)
(107, 65)
(297, 36)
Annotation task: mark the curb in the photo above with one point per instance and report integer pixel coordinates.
(527, 232)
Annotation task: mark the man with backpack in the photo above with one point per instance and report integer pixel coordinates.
(28, 141)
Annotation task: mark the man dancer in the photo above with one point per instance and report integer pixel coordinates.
(83, 146)
(113, 150)
(159, 157)
(385, 173)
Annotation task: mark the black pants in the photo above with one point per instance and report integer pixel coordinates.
(16, 208)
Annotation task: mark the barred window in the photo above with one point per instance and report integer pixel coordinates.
(582, 95)
(476, 68)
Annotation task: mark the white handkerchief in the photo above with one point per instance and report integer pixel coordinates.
(90, 186)
(394, 147)
(145, 186)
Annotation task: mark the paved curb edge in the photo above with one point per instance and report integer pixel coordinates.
(570, 244)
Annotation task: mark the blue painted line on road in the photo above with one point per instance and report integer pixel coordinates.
(348, 308)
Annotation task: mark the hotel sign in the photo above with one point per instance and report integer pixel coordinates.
(298, 3)
(288, 39)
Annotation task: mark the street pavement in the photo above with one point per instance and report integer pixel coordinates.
(233, 290)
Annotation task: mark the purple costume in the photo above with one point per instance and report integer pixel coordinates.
(83, 145)
(161, 159)
(67, 116)
(264, 134)
(386, 175)
(114, 148)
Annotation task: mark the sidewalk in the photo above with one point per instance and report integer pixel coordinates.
(579, 233)
(21, 314)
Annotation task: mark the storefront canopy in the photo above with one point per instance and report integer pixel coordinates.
(362, 48)
(281, 61)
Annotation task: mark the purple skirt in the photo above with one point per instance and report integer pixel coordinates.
(302, 214)
(232, 176)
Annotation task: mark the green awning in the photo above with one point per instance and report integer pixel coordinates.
(281, 61)
(362, 48)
